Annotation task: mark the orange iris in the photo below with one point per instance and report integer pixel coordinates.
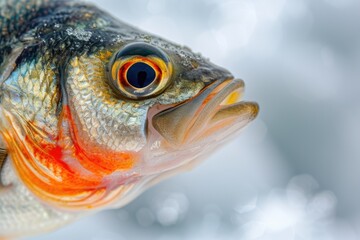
(139, 77)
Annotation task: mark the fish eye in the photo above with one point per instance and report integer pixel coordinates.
(139, 71)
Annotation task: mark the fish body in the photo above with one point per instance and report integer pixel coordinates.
(93, 111)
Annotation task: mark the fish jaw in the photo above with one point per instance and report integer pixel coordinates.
(181, 135)
(206, 113)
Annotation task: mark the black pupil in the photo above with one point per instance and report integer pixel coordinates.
(140, 75)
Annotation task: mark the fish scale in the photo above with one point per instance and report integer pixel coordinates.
(13, 17)
(26, 80)
(128, 118)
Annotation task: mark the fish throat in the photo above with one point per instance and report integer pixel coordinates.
(61, 172)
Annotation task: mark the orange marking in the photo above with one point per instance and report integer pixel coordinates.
(62, 171)
(98, 160)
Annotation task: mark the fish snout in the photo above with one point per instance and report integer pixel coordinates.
(216, 109)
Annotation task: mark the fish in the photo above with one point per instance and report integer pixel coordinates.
(93, 111)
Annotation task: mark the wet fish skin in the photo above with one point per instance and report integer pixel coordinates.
(74, 145)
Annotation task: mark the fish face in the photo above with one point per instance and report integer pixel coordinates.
(141, 112)
(93, 119)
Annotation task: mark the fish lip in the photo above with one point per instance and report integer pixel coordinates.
(184, 122)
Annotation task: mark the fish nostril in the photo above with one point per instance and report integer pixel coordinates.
(208, 74)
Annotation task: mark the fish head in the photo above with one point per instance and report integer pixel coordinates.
(129, 114)
(159, 104)
(198, 111)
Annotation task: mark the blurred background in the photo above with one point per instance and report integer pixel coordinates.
(294, 172)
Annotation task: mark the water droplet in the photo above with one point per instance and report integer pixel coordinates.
(79, 34)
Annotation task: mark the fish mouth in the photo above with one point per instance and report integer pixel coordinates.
(215, 111)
